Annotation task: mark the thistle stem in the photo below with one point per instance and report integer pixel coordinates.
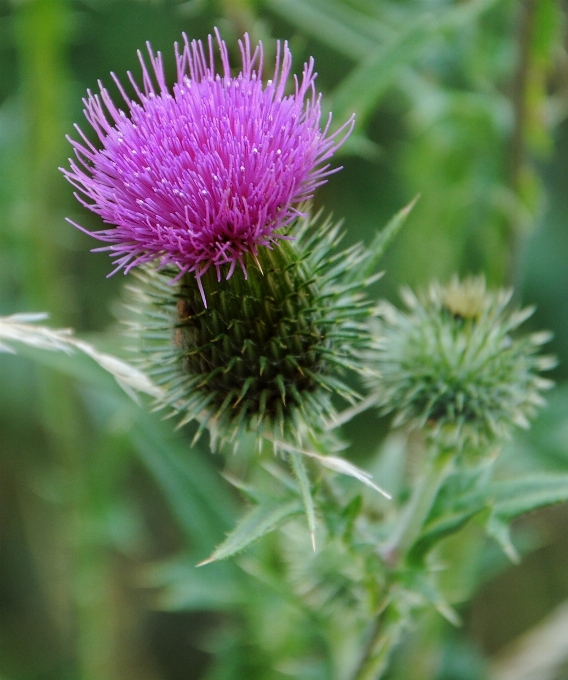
(411, 521)
(391, 623)
(386, 634)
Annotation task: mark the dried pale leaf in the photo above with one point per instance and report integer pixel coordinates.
(14, 329)
(126, 375)
(21, 328)
(337, 464)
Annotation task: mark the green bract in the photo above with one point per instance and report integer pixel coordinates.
(268, 353)
(451, 364)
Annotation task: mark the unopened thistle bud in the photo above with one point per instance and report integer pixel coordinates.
(451, 363)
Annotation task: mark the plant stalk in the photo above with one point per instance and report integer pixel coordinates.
(437, 467)
(392, 622)
(385, 636)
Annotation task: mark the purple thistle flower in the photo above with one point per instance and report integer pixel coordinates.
(206, 172)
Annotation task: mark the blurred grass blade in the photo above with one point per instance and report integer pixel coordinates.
(184, 588)
(360, 91)
(191, 486)
(318, 19)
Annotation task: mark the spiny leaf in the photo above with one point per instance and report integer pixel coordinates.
(383, 239)
(299, 467)
(499, 530)
(421, 583)
(446, 525)
(259, 521)
(518, 496)
(435, 597)
(504, 500)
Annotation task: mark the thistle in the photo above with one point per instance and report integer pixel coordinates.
(207, 173)
(451, 364)
(246, 315)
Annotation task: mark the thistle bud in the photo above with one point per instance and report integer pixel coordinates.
(451, 363)
(267, 353)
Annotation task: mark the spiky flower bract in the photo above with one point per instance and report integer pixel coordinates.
(206, 173)
(267, 353)
(451, 364)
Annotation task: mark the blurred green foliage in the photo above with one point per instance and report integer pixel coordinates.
(103, 510)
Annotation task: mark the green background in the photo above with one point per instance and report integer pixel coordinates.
(103, 511)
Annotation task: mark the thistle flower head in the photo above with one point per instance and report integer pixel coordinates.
(451, 364)
(206, 172)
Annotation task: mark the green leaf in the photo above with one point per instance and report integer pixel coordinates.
(299, 467)
(422, 583)
(518, 496)
(441, 527)
(503, 500)
(259, 521)
(500, 531)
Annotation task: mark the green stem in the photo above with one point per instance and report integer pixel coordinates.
(390, 625)
(437, 467)
(386, 635)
